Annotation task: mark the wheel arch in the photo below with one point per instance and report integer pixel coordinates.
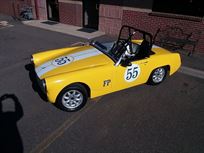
(165, 66)
(168, 68)
(83, 84)
(83, 89)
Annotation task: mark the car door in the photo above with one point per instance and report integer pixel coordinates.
(137, 73)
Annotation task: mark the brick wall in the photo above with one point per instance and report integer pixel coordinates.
(71, 13)
(13, 8)
(7, 7)
(147, 22)
(110, 19)
(113, 17)
(41, 7)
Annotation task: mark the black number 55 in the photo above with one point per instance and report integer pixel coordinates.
(132, 73)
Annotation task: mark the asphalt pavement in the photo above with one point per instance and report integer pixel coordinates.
(168, 118)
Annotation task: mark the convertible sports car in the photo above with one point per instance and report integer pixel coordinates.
(69, 76)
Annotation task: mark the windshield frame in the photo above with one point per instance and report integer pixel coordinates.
(102, 48)
(122, 42)
(119, 47)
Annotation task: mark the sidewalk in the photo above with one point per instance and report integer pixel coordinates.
(192, 65)
(194, 61)
(63, 28)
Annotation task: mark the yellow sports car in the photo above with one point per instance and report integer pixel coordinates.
(69, 76)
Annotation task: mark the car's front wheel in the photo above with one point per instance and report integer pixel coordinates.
(72, 98)
(157, 76)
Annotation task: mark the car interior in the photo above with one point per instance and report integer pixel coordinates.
(125, 44)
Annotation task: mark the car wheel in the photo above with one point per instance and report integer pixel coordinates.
(157, 76)
(72, 98)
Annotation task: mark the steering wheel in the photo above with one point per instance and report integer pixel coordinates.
(129, 47)
(128, 52)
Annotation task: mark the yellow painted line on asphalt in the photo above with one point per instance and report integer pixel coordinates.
(62, 129)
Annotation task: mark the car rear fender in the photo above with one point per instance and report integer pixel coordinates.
(174, 63)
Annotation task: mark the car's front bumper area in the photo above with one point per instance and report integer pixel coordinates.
(41, 82)
(39, 85)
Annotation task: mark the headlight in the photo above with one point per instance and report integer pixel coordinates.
(44, 88)
(31, 60)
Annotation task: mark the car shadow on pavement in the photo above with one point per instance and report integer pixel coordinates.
(33, 79)
(10, 139)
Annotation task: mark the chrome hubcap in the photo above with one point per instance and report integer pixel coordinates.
(72, 99)
(158, 75)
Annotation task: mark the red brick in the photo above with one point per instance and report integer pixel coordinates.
(111, 19)
(149, 23)
(13, 8)
(70, 14)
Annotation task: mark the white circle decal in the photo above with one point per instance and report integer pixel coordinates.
(61, 61)
(132, 73)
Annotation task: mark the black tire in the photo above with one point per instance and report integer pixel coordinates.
(72, 98)
(157, 76)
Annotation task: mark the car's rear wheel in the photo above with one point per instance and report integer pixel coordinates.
(72, 98)
(157, 76)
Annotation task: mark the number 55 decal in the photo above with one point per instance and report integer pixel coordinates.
(132, 73)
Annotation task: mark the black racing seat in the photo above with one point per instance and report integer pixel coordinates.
(144, 50)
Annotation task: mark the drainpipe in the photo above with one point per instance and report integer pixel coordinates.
(36, 9)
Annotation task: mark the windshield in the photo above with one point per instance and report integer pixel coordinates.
(105, 48)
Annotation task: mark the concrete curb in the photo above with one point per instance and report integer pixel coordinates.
(192, 72)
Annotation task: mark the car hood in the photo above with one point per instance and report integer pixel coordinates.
(70, 60)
